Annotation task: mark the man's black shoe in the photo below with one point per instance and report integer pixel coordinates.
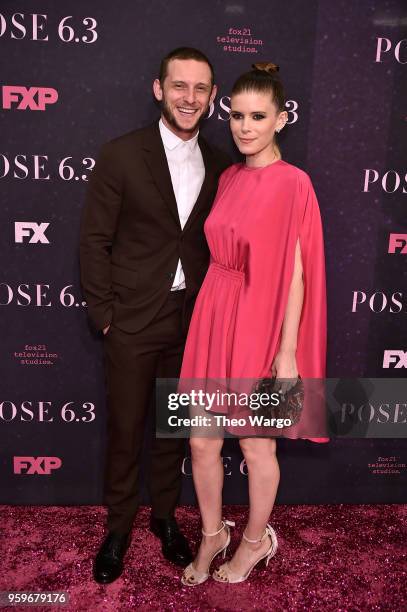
(174, 545)
(109, 561)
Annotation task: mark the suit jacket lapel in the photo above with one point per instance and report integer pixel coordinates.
(157, 163)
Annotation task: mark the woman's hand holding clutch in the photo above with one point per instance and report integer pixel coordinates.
(284, 380)
(284, 369)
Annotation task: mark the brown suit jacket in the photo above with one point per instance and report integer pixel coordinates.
(131, 236)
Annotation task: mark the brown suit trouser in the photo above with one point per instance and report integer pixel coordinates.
(133, 361)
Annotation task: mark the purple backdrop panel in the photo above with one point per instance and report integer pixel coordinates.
(79, 74)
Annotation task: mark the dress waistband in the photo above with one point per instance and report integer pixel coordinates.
(225, 271)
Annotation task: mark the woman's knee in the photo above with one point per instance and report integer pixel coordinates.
(256, 449)
(204, 449)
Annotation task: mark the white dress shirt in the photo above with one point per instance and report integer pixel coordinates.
(187, 171)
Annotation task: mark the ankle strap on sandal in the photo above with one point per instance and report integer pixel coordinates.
(224, 523)
(265, 534)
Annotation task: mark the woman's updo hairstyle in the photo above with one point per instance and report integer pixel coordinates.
(263, 78)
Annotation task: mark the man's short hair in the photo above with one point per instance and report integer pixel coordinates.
(184, 53)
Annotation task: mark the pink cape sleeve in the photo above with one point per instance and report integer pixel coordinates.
(312, 333)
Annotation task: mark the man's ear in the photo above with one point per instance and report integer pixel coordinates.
(213, 94)
(158, 92)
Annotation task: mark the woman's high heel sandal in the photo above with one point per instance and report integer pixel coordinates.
(225, 574)
(191, 576)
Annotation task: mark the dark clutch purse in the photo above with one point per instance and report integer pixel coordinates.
(290, 405)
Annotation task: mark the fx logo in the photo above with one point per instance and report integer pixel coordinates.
(36, 465)
(34, 98)
(398, 243)
(36, 231)
(397, 357)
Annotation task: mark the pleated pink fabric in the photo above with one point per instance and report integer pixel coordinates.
(257, 217)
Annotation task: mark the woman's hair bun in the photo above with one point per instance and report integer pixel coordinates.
(268, 67)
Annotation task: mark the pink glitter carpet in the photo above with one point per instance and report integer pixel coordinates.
(333, 558)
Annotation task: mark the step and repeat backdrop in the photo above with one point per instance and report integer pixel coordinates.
(77, 74)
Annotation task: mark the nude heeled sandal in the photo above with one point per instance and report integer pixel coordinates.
(191, 576)
(225, 574)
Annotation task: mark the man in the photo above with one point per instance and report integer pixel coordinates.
(143, 258)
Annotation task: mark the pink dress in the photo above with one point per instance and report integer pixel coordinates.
(252, 231)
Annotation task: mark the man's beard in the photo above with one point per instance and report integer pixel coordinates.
(170, 117)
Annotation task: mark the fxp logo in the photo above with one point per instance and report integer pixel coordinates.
(28, 98)
(36, 465)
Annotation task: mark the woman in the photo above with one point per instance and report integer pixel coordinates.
(261, 308)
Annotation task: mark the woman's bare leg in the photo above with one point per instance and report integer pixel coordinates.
(207, 470)
(264, 477)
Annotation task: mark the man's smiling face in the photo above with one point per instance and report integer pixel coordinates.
(185, 96)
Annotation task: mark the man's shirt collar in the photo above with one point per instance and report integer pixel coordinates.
(171, 140)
